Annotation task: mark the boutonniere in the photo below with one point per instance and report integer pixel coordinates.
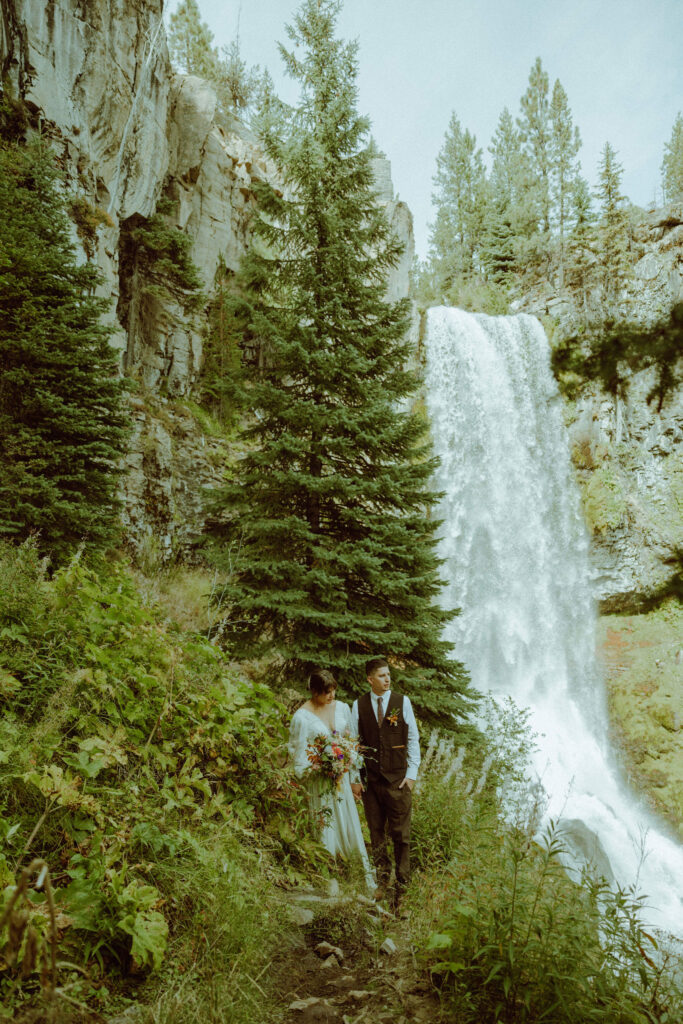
(392, 717)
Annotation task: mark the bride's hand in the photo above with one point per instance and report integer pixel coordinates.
(357, 790)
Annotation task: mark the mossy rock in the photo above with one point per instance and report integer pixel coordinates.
(604, 501)
(643, 667)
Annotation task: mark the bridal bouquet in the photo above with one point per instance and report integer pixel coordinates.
(331, 757)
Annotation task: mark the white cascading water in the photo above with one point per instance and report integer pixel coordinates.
(516, 564)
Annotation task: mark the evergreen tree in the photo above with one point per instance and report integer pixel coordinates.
(581, 248)
(508, 162)
(190, 42)
(237, 85)
(62, 419)
(512, 213)
(498, 253)
(613, 231)
(565, 143)
(672, 164)
(327, 530)
(460, 200)
(535, 128)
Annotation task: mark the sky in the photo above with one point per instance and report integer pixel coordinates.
(620, 62)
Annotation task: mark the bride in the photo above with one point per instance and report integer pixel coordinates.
(323, 715)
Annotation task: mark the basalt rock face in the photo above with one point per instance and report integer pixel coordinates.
(129, 132)
(629, 462)
(633, 490)
(628, 455)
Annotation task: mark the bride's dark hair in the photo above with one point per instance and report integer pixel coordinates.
(321, 681)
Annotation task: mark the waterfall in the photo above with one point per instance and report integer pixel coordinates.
(515, 553)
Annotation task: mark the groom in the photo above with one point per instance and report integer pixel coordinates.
(386, 725)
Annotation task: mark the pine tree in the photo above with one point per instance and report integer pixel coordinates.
(511, 215)
(460, 201)
(62, 419)
(672, 164)
(565, 143)
(535, 128)
(498, 249)
(581, 247)
(509, 166)
(613, 231)
(190, 42)
(329, 538)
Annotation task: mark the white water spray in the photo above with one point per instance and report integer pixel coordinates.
(516, 553)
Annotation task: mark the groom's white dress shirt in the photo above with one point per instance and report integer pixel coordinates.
(413, 744)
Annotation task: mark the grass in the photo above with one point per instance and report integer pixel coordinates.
(183, 593)
(149, 774)
(505, 934)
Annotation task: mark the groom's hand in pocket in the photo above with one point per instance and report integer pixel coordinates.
(357, 790)
(407, 782)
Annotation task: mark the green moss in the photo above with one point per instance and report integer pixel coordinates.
(88, 218)
(604, 503)
(643, 664)
(667, 513)
(208, 423)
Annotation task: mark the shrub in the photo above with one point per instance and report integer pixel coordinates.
(506, 933)
(150, 776)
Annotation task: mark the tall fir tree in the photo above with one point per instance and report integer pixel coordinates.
(581, 259)
(565, 143)
(327, 529)
(672, 163)
(460, 200)
(190, 42)
(63, 422)
(535, 128)
(512, 213)
(613, 232)
(507, 162)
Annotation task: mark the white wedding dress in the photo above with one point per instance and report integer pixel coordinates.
(342, 834)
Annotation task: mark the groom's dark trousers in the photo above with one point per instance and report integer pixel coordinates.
(387, 808)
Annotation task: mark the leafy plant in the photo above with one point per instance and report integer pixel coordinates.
(506, 933)
(139, 766)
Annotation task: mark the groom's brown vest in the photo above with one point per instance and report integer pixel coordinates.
(387, 756)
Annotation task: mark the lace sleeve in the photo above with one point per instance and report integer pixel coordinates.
(298, 741)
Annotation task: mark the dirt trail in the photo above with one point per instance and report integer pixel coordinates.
(354, 963)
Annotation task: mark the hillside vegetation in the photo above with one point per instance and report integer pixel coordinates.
(146, 807)
(158, 861)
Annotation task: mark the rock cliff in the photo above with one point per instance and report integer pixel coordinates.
(628, 456)
(129, 132)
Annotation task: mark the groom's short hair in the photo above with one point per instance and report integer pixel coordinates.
(374, 663)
